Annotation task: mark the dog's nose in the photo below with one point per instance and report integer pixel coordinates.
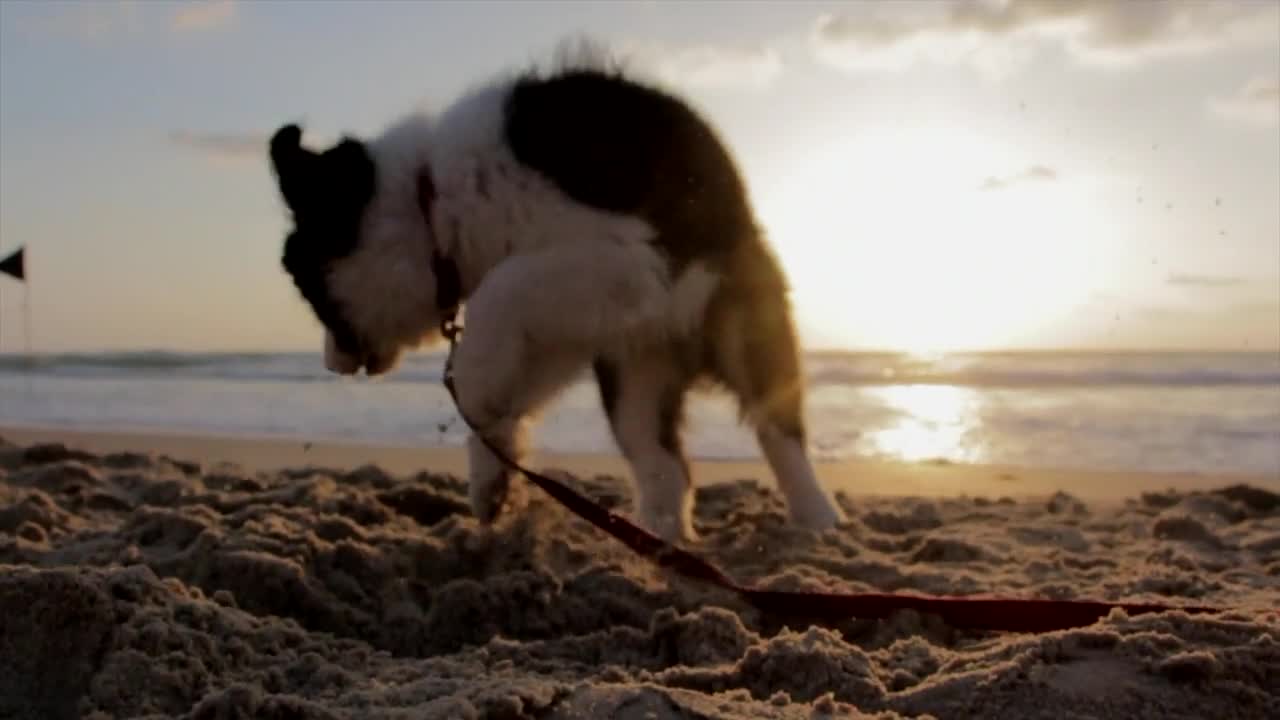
(375, 365)
(378, 364)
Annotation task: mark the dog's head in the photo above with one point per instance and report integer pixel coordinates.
(357, 251)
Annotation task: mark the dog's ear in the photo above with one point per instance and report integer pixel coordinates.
(347, 173)
(295, 167)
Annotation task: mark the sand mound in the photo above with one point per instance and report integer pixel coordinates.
(140, 586)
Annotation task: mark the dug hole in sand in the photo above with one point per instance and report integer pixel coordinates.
(133, 585)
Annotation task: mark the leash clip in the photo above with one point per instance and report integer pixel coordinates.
(450, 328)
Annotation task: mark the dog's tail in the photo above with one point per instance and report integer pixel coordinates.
(754, 349)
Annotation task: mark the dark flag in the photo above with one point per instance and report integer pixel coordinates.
(14, 265)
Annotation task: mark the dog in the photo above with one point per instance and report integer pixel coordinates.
(592, 221)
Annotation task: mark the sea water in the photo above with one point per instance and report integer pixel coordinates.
(1181, 412)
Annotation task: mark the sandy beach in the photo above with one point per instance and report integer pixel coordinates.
(148, 575)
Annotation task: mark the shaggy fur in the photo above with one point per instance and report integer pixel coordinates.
(595, 222)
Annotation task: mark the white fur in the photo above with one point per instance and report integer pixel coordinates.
(549, 284)
(808, 505)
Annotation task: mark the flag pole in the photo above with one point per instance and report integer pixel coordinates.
(29, 361)
(14, 264)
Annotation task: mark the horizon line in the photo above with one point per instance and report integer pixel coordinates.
(819, 350)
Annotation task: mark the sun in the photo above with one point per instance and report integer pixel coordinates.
(891, 242)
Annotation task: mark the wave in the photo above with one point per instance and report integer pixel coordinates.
(142, 360)
(825, 370)
(1047, 379)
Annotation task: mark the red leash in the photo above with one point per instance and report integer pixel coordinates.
(980, 613)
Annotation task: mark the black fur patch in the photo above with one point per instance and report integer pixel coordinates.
(327, 194)
(617, 145)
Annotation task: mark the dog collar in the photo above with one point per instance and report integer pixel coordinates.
(448, 279)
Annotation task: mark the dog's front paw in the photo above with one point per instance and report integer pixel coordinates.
(817, 513)
(490, 478)
(675, 526)
(488, 493)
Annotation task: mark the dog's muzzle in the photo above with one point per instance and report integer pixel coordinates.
(337, 361)
(343, 363)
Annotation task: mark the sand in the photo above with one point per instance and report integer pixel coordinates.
(135, 583)
(861, 477)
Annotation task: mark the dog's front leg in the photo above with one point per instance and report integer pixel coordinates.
(533, 323)
(502, 379)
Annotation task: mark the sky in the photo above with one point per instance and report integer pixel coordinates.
(1012, 174)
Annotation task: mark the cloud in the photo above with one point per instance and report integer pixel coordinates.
(100, 20)
(868, 40)
(1204, 281)
(1256, 103)
(1032, 174)
(203, 15)
(996, 34)
(223, 146)
(89, 21)
(740, 66)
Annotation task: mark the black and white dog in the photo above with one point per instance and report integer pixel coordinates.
(594, 221)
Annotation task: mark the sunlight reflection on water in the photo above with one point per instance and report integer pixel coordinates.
(935, 422)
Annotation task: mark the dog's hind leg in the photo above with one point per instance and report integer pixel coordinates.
(644, 399)
(756, 354)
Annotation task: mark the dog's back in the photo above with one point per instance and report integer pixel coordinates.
(618, 145)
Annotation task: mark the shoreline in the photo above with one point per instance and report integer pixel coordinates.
(860, 477)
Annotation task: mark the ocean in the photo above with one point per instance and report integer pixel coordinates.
(1178, 412)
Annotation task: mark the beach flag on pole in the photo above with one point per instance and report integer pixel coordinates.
(15, 264)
